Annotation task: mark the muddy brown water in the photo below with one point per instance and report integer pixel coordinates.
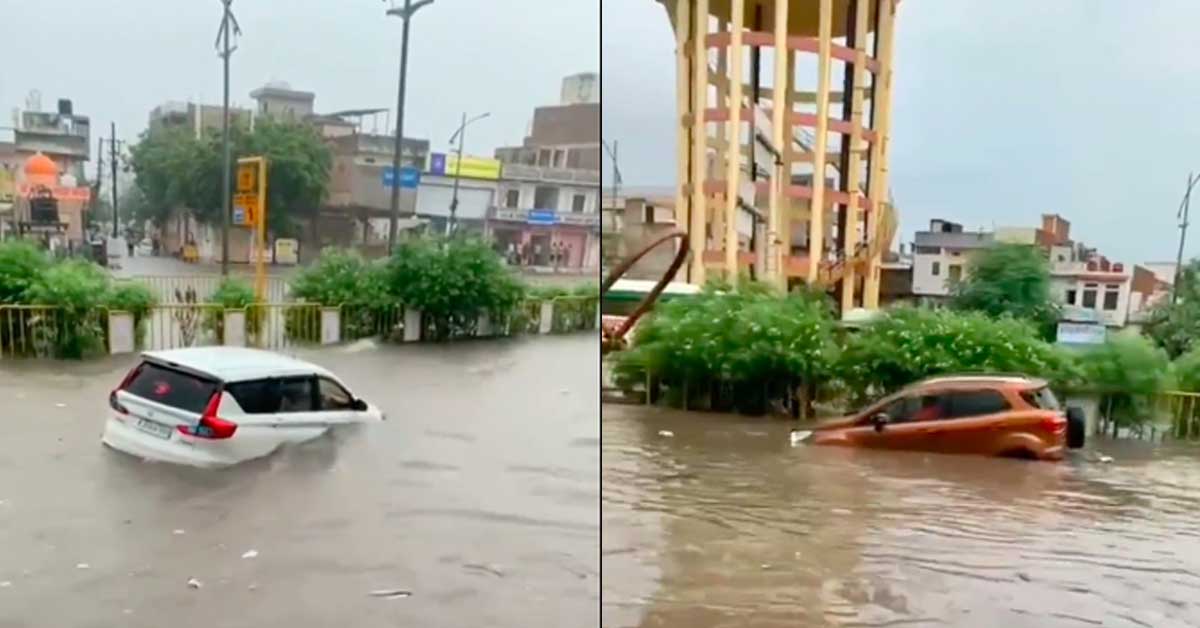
(480, 495)
(723, 523)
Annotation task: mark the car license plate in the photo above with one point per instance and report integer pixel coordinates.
(157, 429)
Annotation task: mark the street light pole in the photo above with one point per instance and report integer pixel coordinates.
(405, 13)
(461, 134)
(227, 21)
(1182, 215)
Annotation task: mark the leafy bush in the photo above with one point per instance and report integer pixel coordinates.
(21, 264)
(1187, 371)
(751, 345)
(135, 298)
(233, 294)
(452, 281)
(1127, 371)
(343, 278)
(79, 290)
(907, 344)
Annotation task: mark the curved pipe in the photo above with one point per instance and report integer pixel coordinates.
(616, 338)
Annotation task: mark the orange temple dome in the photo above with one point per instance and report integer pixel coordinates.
(41, 166)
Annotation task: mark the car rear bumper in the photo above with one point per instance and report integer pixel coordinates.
(128, 439)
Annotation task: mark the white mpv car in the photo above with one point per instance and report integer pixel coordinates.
(214, 406)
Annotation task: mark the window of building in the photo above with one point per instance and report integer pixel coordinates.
(955, 272)
(936, 269)
(648, 214)
(544, 158)
(1111, 297)
(545, 197)
(1089, 298)
(577, 203)
(1071, 297)
(512, 198)
(928, 250)
(560, 158)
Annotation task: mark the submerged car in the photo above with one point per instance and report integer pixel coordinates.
(217, 406)
(1013, 416)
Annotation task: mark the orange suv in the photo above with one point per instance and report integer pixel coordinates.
(994, 415)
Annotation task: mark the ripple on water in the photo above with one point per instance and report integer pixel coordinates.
(725, 518)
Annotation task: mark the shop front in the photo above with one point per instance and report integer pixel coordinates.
(544, 238)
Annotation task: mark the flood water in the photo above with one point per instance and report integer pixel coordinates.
(479, 495)
(725, 524)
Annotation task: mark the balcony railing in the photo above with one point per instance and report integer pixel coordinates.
(548, 174)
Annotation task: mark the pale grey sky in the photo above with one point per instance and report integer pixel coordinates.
(119, 59)
(1004, 110)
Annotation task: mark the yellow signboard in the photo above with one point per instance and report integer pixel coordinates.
(473, 167)
(250, 209)
(247, 176)
(7, 186)
(245, 209)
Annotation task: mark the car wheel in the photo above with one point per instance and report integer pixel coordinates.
(1076, 427)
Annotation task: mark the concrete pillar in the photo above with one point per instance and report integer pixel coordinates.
(331, 325)
(122, 334)
(733, 150)
(546, 324)
(854, 177)
(235, 328)
(817, 227)
(698, 221)
(484, 327)
(879, 156)
(781, 138)
(412, 325)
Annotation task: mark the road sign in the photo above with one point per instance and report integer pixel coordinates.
(247, 202)
(247, 176)
(409, 177)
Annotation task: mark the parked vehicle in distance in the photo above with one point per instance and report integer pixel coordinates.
(216, 406)
(992, 415)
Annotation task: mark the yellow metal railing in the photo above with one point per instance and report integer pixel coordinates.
(1182, 410)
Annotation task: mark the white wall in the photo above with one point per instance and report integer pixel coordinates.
(926, 283)
(566, 195)
(1060, 286)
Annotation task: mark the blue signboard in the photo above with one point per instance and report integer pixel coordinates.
(437, 163)
(409, 177)
(239, 215)
(542, 217)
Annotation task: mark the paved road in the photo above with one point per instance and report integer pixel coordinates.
(480, 495)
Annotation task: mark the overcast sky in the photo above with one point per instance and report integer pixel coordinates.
(117, 60)
(1003, 110)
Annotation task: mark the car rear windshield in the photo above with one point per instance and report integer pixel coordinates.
(1042, 398)
(171, 387)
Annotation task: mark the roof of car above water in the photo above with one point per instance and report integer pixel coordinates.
(233, 364)
(982, 379)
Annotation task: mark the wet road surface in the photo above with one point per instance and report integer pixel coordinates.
(480, 495)
(722, 523)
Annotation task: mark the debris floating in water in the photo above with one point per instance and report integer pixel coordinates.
(60, 405)
(250, 553)
(666, 433)
(83, 566)
(178, 531)
(194, 583)
(5, 584)
(390, 594)
(842, 511)
(1104, 458)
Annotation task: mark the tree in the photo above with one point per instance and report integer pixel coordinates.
(1174, 326)
(1009, 279)
(1126, 371)
(175, 169)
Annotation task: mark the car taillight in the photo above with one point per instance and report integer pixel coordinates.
(211, 426)
(115, 404)
(1055, 424)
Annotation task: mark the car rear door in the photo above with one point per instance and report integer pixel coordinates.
(975, 421)
(256, 410)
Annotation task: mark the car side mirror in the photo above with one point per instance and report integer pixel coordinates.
(360, 405)
(880, 420)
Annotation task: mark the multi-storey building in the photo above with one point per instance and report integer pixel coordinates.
(941, 256)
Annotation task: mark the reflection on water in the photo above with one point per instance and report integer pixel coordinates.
(725, 524)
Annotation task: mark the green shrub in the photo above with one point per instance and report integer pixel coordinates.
(343, 278)
(135, 298)
(1127, 371)
(907, 344)
(751, 345)
(79, 290)
(1187, 371)
(21, 264)
(452, 281)
(233, 294)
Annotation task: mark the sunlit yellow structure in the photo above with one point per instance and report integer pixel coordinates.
(759, 117)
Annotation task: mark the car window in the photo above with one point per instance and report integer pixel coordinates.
(296, 395)
(915, 408)
(256, 397)
(170, 387)
(975, 403)
(333, 396)
(1042, 398)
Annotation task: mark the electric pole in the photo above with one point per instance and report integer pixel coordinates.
(228, 22)
(405, 13)
(616, 178)
(112, 157)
